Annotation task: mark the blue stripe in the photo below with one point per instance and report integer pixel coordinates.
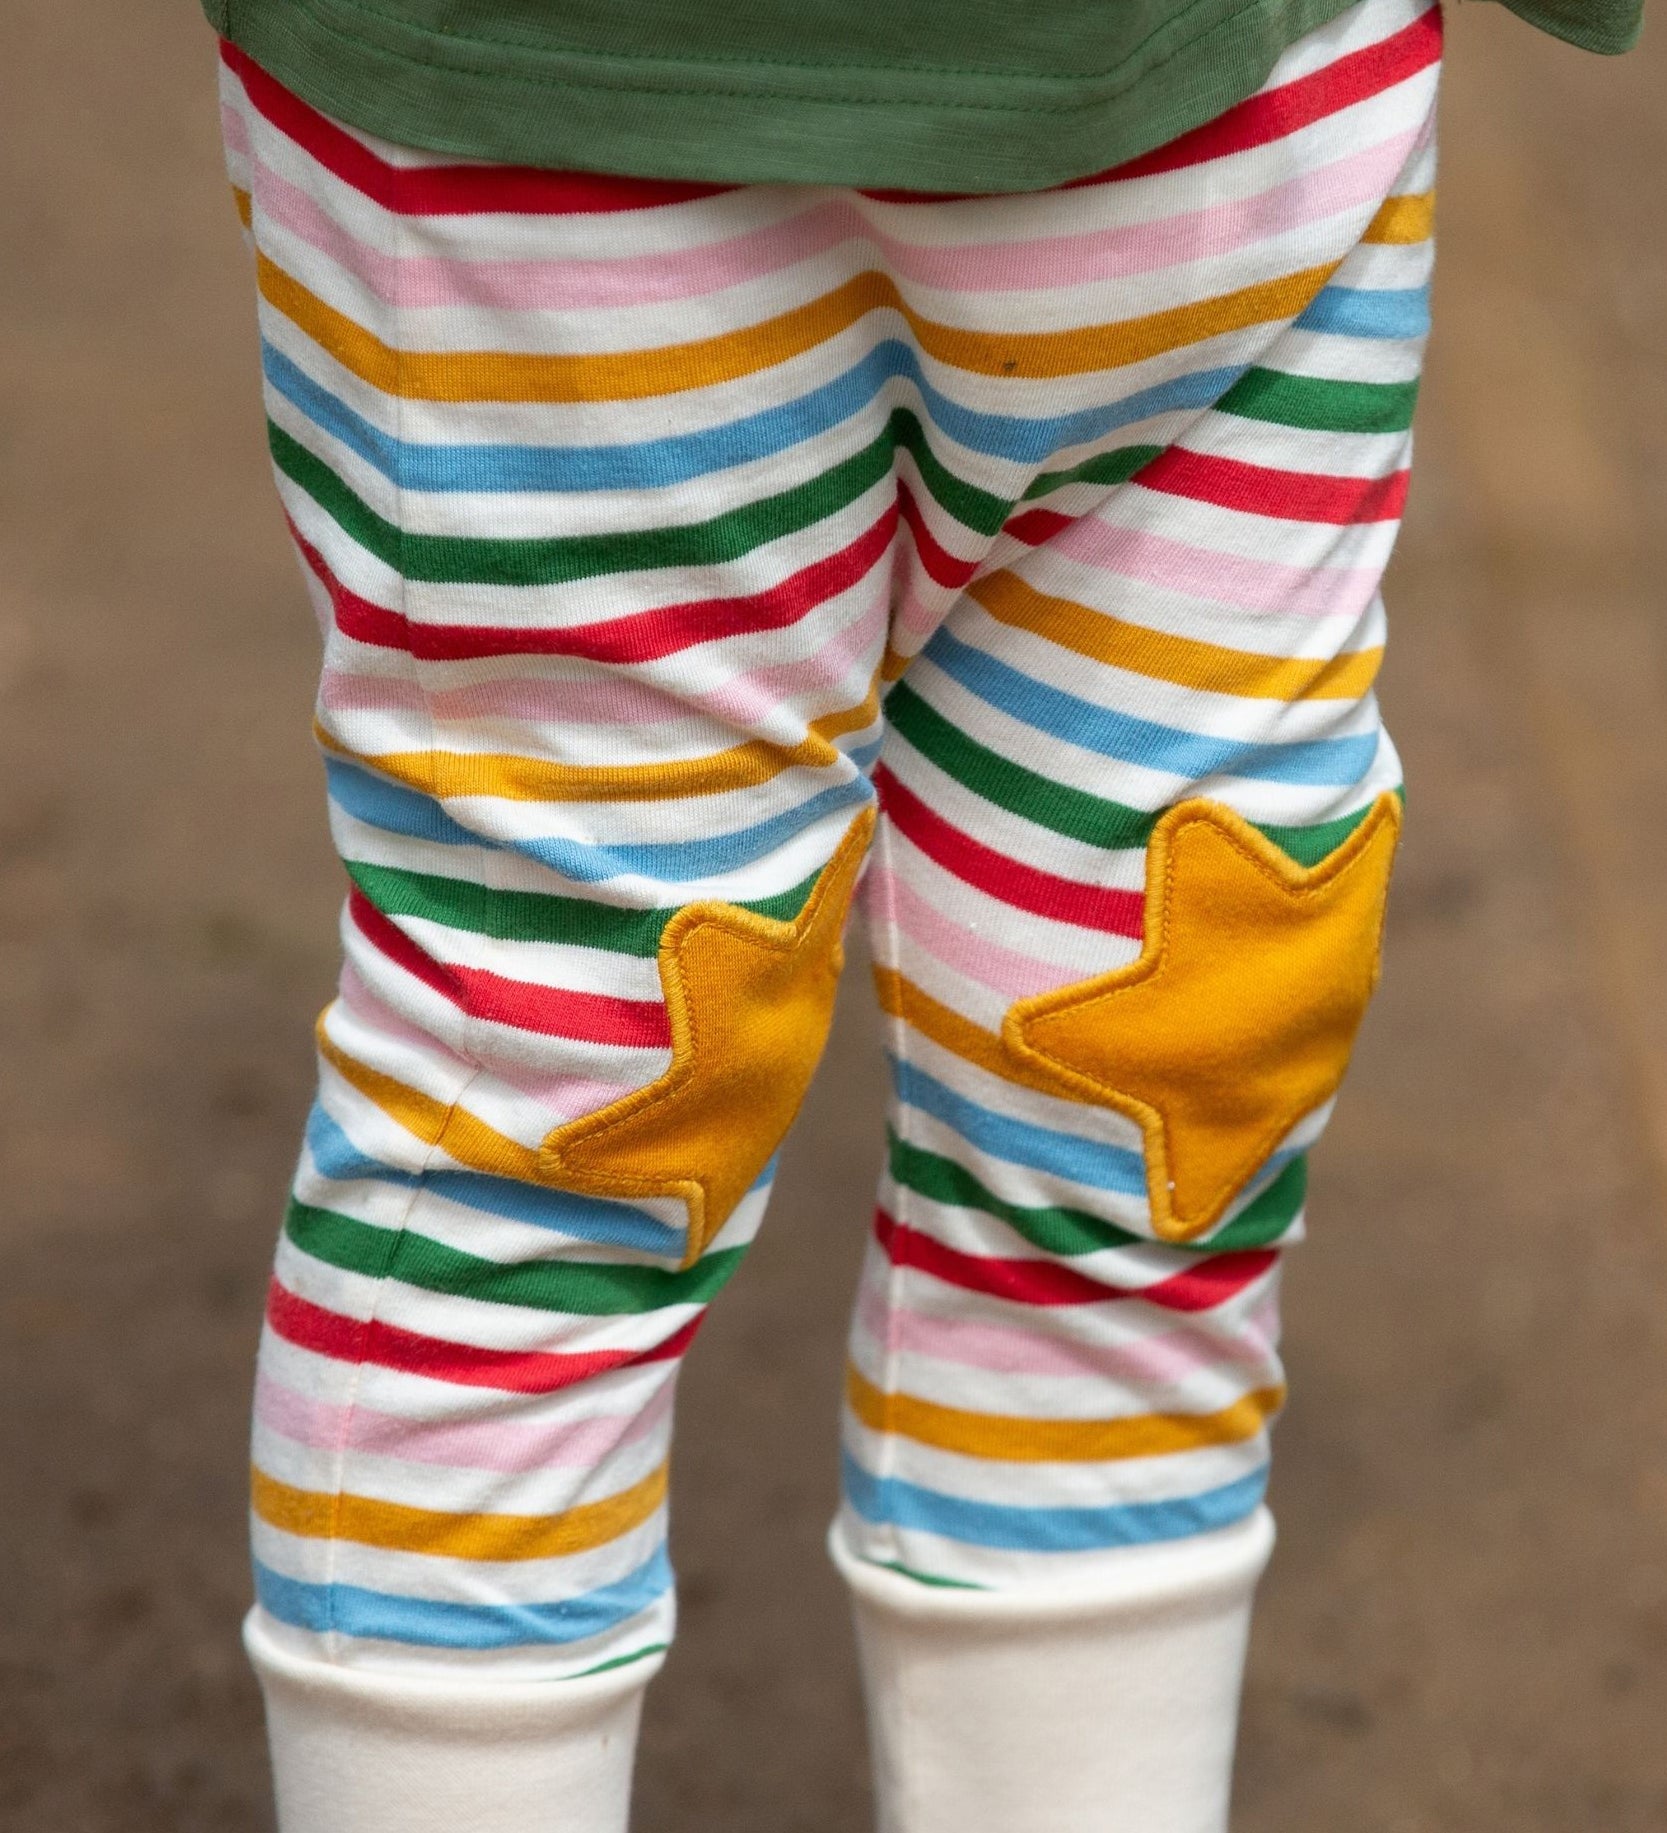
(654, 463)
(357, 1612)
(394, 808)
(397, 810)
(1376, 312)
(593, 1219)
(1139, 741)
(892, 1502)
(1067, 1155)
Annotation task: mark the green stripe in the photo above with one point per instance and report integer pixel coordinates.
(535, 916)
(1057, 806)
(1319, 405)
(578, 1289)
(1115, 467)
(1309, 845)
(925, 1578)
(1058, 1230)
(1263, 1221)
(456, 559)
(620, 1661)
(980, 510)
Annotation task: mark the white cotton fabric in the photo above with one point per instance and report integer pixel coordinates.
(365, 1752)
(1107, 1705)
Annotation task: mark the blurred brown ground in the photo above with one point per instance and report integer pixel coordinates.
(1466, 1628)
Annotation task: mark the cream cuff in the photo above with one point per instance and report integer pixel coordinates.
(1094, 1705)
(361, 1751)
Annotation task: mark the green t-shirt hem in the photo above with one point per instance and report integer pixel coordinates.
(1609, 31)
(809, 123)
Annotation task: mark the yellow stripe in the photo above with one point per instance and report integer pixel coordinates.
(901, 998)
(1183, 660)
(1057, 1441)
(320, 1515)
(1403, 219)
(245, 206)
(493, 375)
(529, 779)
(462, 1135)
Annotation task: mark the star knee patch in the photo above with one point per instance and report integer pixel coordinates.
(1239, 1015)
(749, 1001)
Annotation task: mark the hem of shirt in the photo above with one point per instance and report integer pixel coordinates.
(957, 131)
(1608, 37)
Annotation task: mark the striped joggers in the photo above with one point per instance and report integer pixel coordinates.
(693, 561)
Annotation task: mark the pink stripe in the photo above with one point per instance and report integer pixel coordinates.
(341, 692)
(1163, 1359)
(518, 286)
(1049, 262)
(489, 1444)
(356, 997)
(922, 604)
(1002, 970)
(748, 701)
(754, 701)
(617, 701)
(1223, 579)
(234, 129)
(1039, 264)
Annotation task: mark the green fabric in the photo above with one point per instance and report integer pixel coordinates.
(1607, 26)
(958, 95)
(962, 95)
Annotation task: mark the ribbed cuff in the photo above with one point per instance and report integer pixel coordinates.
(355, 1751)
(1103, 1705)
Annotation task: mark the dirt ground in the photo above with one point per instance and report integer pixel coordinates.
(1465, 1630)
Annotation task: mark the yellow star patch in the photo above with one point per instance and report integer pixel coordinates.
(1238, 1017)
(749, 1002)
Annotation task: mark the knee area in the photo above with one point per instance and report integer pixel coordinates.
(749, 1000)
(1237, 1020)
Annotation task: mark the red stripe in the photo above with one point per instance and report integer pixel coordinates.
(512, 1371)
(597, 1018)
(1264, 117)
(1260, 490)
(392, 941)
(449, 190)
(943, 567)
(593, 1018)
(643, 636)
(1117, 913)
(1211, 1282)
(1036, 526)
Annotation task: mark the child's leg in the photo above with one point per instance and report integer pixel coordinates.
(602, 629)
(1063, 1359)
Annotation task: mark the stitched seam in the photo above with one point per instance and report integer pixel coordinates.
(418, 1189)
(384, 1274)
(593, 1126)
(892, 1349)
(1271, 875)
(1316, 880)
(1168, 874)
(742, 925)
(750, 94)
